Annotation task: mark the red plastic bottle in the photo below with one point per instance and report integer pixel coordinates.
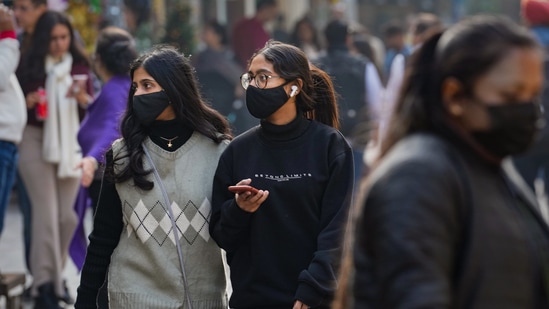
(42, 106)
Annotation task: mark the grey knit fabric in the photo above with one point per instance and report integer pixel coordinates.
(144, 270)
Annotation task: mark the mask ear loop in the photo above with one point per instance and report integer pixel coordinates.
(294, 91)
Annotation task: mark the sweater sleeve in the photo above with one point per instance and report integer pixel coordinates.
(405, 239)
(9, 58)
(317, 283)
(104, 238)
(111, 109)
(229, 224)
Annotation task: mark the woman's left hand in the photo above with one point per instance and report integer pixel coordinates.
(88, 166)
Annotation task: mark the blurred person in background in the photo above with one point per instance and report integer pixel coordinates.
(114, 51)
(50, 151)
(305, 36)
(218, 74)
(423, 27)
(249, 34)
(444, 220)
(12, 108)
(161, 168)
(26, 14)
(137, 15)
(534, 164)
(283, 242)
(358, 85)
(394, 36)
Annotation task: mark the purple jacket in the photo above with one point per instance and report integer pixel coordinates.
(101, 126)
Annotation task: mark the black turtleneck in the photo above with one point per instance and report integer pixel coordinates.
(287, 132)
(164, 133)
(286, 250)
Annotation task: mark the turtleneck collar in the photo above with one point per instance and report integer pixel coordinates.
(286, 132)
(169, 132)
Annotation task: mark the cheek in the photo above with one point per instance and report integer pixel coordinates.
(475, 118)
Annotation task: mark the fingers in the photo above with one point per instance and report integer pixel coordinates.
(250, 202)
(246, 181)
(31, 99)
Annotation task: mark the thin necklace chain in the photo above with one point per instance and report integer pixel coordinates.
(169, 140)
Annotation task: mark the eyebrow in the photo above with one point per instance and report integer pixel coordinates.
(145, 80)
(260, 71)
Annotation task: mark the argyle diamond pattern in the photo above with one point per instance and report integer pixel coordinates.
(153, 223)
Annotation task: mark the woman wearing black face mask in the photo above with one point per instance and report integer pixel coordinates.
(283, 242)
(444, 221)
(151, 223)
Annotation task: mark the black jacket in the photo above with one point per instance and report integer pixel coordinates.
(441, 228)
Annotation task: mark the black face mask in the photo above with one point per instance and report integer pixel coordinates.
(147, 107)
(513, 128)
(262, 103)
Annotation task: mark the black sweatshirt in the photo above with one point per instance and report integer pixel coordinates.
(290, 247)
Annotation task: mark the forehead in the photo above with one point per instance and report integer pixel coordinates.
(521, 70)
(23, 3)
(141, 74)
(259, 64)
(59, 30)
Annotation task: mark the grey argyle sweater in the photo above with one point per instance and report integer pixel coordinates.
(144, 270)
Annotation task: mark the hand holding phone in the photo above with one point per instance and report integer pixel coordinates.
(243, 188)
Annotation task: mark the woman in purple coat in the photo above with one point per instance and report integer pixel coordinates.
(115, 49)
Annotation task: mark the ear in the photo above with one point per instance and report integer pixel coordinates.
(452, 96)
(294, 91)
(296, 88)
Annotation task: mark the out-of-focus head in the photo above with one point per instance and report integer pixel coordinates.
(54, 29)
(215, 34)
(27, 13)
(465, 74)
(136, 12)
(393, 35)
(266, 10)
(336, 33)
(424, 26)
(535, 12)
(115, 50)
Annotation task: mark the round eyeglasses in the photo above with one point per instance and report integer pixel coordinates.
(260, 80)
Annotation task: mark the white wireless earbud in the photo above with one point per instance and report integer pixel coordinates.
(294, 91)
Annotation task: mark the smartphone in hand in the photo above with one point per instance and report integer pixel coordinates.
(242, 189)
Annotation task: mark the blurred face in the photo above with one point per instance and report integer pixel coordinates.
(60, 40)
(210, 37)
(516, 79)
(395, 41)
(27, 14)
(144, 83)
(305, 32)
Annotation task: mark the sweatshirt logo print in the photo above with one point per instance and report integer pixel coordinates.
(154, 223)
(283, 177)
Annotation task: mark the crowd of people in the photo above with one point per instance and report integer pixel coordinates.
(297, 170)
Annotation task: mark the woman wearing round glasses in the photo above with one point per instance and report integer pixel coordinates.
(283, 240)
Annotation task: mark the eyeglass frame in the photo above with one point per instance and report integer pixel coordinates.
(251, 77)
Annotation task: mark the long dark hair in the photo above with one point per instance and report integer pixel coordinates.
(174, 73)
(32, 64)
(317, 98)
(116, 49)
(465, 52)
